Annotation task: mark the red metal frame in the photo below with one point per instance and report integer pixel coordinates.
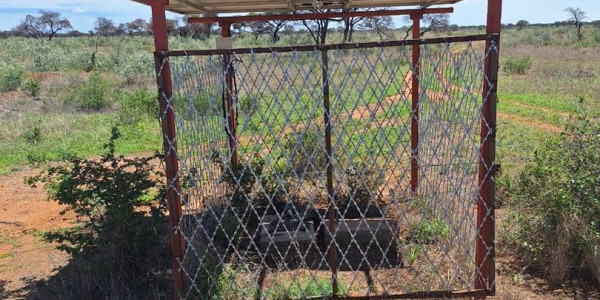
(229, 92)
(484, 258)
(330, 188)
(479, 294)
(414, 125)
(484, 283)
(176, 238)
(320, 16)
(341, 46)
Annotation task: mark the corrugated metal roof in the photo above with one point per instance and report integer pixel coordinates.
(215, 7)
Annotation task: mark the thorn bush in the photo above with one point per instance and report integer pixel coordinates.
(554, 205)
(119, 207)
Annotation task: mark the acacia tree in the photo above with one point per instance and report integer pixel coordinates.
(275, 26)
(257, 28)
(172, 26)
(381, 25)
(351, 23)
(436, 23)
(577, 15)
(521, 24)
(48, 24)
(136, 27)
(105, 27)
(318, 28)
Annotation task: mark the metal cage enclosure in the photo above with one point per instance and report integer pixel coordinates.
(349, 170)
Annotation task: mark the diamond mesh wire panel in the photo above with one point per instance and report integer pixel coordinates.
(294, 169)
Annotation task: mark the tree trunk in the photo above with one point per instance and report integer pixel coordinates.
(346, 31)
(379, 32)
(275, 34)
(350, 33)
(323, 32)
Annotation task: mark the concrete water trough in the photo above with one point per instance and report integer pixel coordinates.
(361, 244)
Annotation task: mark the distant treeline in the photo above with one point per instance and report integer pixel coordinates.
(49, 24)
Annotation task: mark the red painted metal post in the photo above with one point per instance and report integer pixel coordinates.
(229, 96)
(330, 190)
(485, 248)
(165, 92)
(414, 125)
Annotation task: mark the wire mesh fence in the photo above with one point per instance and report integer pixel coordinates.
(291, 173)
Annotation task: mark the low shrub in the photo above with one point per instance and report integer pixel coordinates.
(11, 78)
(32, 87)
(554, 205)
(33, 135)
(306, 153)
(518, 65)
(120, 226)
(92, 95)
(137, 105)
(362, 186)
(36, 157)
(428, 231)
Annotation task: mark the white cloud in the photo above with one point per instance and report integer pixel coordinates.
(79, 10)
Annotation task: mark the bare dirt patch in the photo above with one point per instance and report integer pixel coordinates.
(25, 215)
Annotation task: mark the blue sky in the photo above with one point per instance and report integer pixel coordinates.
(83, 13)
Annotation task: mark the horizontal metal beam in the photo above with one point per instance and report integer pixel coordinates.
(418, 295)
(320, 16)
(306, 48)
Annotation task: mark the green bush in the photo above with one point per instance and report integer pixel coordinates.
(36, 156)
(518, 65)
(92, 95)
(363, 181)
(137, 105)
(306, 152)
(119, 207)
(33, 135)
(554, 205)
(428, 231)
(11, 78)
(32, 87)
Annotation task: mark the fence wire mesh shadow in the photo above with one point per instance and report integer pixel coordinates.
(295, 168)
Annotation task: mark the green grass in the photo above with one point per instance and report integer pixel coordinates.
(303, 287)
(516, 144)
(554, 102)
(545, 116)
(64, 135)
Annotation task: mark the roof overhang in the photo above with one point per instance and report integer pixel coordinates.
(216, 7)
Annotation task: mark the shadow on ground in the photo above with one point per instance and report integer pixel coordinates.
(104, 273)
